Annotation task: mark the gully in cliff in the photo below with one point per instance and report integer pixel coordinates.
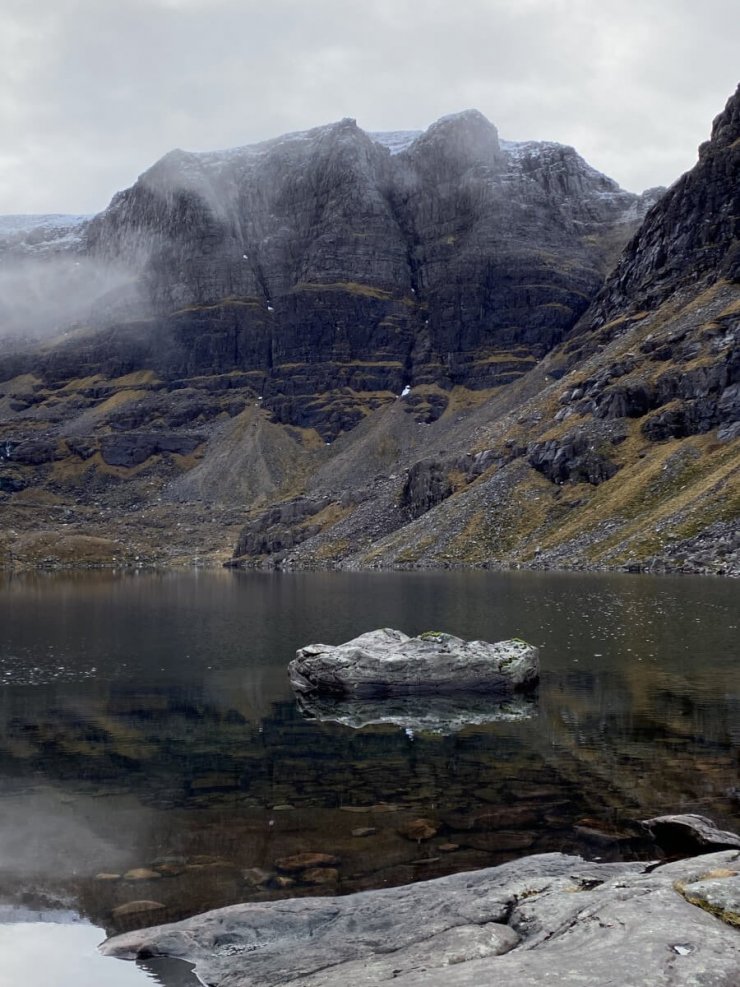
(387, 662)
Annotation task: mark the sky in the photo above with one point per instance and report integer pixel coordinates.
(92, 92)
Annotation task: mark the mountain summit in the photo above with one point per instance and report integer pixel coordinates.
(359, 348)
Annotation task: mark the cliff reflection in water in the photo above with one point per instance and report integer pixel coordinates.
(196, 780)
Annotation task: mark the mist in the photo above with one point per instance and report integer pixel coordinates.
(54, 834)
(45, 298)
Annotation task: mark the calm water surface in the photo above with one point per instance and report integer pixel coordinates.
(147, 723)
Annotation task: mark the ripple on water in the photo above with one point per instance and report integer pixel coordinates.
(22, 670)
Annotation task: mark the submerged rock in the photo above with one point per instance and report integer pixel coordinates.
(139, 908)
(419, 829)
(387, 662)
(305, 861)
(142, 874)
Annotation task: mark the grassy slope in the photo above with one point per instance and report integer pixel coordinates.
(178, 508)
(663, 494)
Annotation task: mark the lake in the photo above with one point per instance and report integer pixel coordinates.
(152, 749)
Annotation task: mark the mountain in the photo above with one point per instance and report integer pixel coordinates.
(386, 349)
(332, 273)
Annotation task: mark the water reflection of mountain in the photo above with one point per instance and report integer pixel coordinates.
(174, 745)
(162, 732)
(215, 781)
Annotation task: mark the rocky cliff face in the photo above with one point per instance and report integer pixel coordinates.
(335, 273)
(390, 349)
(620, 447)
(692, 237)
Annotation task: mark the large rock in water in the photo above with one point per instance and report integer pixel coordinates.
(389, 663)
(547, 919)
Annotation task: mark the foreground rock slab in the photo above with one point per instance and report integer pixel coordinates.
(546, 919)
(387, 662)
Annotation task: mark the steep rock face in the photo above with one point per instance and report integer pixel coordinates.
(336, 272)
(37, 235)
(684, 255)
(206, 338)
(619, 447)
(692, 235)
(427, 484)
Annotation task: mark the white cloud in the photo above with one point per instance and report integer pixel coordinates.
(93, 91)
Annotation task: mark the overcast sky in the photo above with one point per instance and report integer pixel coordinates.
(94, 91)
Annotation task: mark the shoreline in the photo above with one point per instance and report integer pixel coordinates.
(279, 566)
(547, 918)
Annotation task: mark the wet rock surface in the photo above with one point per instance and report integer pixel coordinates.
(540, 919)
(388, 662)
(690, 834)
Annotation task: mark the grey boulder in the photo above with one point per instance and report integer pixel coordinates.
(387, 662)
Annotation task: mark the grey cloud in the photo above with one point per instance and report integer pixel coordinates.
(92, 92)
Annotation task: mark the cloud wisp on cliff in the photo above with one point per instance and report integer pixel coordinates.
(92, 93)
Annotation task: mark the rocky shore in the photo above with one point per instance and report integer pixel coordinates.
(544, 919)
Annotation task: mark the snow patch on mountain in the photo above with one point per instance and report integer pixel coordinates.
(395, 140)
(28, 234)
(25, 223)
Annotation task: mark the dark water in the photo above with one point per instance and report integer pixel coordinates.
(147, 722)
